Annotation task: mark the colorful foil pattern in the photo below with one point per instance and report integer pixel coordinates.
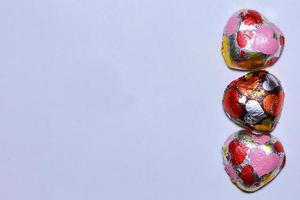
(252, 161)
(250, 41)
(253, 157)
(254, 101)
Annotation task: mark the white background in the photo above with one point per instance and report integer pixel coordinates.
(121, 99)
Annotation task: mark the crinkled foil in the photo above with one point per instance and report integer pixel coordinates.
(252, 161)
(254, 101)
(250, 41)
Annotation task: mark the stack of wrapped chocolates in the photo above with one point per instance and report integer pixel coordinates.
(252, 157)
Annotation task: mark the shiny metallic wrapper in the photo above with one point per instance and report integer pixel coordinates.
(250, 41)
(252, 161)
(254, 101)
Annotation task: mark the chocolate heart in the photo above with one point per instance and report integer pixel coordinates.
(252, 161)
(250, 41)
(254, 101)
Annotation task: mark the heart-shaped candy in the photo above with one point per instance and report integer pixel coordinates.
(254, 101)
(252, 161)
(250, 41)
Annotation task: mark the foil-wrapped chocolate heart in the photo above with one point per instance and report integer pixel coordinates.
(250, 41)
(254, 101)
(252, 161)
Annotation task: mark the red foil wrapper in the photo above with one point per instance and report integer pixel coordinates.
(252, 161)
(250, 41)
(254, 101)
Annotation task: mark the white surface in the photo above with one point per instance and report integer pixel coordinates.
(121, 99)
